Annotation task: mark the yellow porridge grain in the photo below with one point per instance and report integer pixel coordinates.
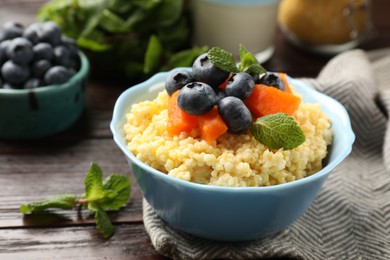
(231, 160)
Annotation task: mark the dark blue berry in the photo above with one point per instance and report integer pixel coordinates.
(205, 71)
(40, 67)
(43, 51)
(56, 75)
(31, 33)
(3, 56)
(272, 80)
(240, 85)
(196, 98)
(50, 33)
(14, 73)
(177, 80)
(32, 83)
(12, 30)
(61, 56)
(70, 44)
(20, 50)
(3, 50)
(235, 114)
(8, 85)
(219, 94)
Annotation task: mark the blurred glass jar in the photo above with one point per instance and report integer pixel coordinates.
(227, 23)
(326, 26)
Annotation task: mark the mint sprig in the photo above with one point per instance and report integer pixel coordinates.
(65, 201)
(100, 195)
(249, 63)
(278, 131)
(224, 60)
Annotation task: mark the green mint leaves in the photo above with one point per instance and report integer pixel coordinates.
(100, 195)
(278, 131)
(222, 59)
(249, 63)
(225, 61)
(66, 201)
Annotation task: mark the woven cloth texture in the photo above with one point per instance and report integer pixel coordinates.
(350, 217)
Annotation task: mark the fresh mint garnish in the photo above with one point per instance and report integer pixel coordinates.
(222, 59)
(100, 195)
(66, 201)
(153, 54)
(249, 63)
(278, 131)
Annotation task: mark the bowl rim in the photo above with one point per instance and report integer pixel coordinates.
(84, 68)
(156, 79)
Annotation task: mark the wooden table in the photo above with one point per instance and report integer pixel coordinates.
(33, 170)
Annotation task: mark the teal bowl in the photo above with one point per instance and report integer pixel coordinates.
(40, 112)
(230, 213)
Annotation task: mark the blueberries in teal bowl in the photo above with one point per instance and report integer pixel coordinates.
(230, 213)
(42, 80)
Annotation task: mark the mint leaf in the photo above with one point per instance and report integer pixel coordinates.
(249, 63)
(118, 187)
(103, 223)
(278, 131)
(222, 59)
(153, 55)
(110, 194)
(94, 183)
(66, 201)
(183, 58)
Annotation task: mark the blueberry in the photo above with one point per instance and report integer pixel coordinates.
(14, 73)
(196, 98)
(3, 50)
(272, 80)
(43, 51)
(40, 67)
(20, 50)
(12, 30)
(31, 33)
(50, 33)
(2, 36)
(32, 83)
(177, 80)
(72, 72)
(3, 56)
(8, 85)
(75, 64)
(70, 44)
(61, 56)
(56, 75)
(235, 114)
(219, 94)
(205, 71)
(240, 85)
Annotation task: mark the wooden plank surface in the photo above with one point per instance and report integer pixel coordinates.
(74, 243)
(32, 170)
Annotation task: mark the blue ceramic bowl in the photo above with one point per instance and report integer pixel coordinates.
(36, 113)
(230, 213)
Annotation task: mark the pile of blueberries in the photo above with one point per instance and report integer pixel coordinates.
(36, 56)
(200, 91)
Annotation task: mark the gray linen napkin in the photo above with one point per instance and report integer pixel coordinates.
(350, 218)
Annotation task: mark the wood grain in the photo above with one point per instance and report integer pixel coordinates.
(33, 170)
(74, 243)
